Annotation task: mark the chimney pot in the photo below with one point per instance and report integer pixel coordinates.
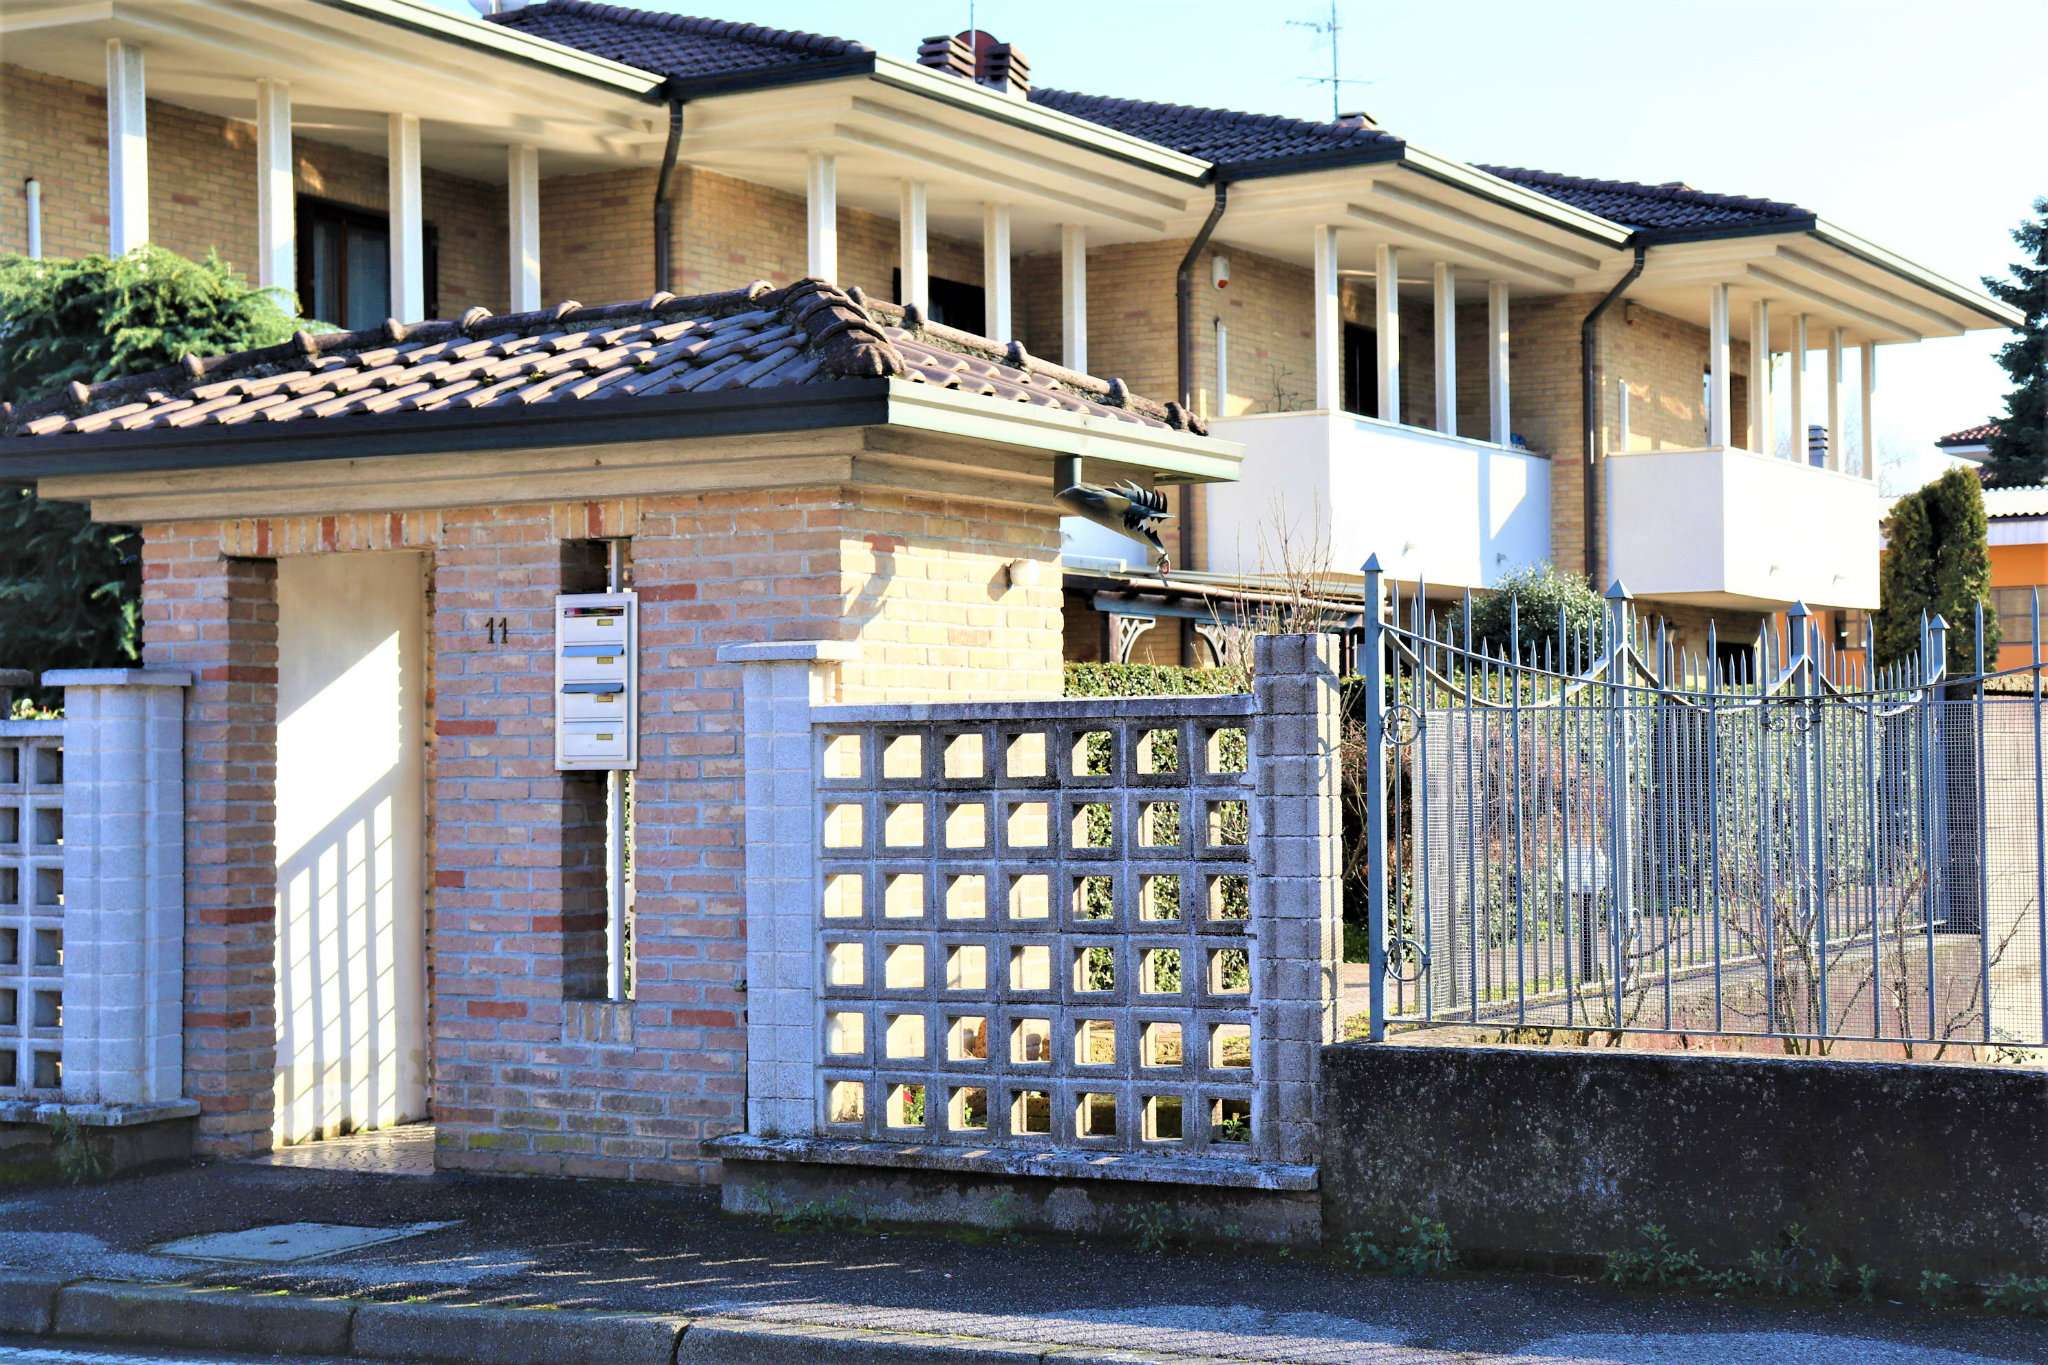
(947, 53)
(1003, 68)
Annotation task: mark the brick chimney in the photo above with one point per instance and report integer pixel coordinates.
(950, 55)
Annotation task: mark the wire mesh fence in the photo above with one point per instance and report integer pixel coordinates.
(1592, 828)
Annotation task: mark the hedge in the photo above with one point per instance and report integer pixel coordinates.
(1153, 680)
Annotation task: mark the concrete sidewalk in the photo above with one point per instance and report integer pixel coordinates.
(559, 1272)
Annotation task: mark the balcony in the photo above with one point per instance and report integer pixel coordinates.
(1724, 526)
(1328, 488)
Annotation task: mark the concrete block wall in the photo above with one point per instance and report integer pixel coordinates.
(532, 1071)
(31, 907)
(934, 894)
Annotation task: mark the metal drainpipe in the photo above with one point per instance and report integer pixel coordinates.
(1184, 307)
(664, 207)
(1589, 408)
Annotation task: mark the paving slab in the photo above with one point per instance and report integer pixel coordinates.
(289, 1243)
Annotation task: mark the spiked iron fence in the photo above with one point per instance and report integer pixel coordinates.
(1608, 832)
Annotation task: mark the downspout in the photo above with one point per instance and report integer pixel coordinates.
(1590, 380)
(1184, 322)
(664, 206)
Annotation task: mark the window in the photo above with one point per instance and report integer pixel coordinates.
(1361, 370)
(345, 265)
(2015, 608)
(954, 303)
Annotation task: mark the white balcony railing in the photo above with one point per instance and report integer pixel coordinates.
(1456, 512)
(1727, 527)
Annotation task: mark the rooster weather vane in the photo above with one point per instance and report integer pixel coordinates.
(1126, 509)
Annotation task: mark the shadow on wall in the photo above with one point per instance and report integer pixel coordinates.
(350, 998)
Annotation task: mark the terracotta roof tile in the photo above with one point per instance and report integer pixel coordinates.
(1970, 436)
(755, 338)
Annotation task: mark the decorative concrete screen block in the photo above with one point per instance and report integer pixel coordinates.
(123, 875)
(31, 907)
(1062, 927)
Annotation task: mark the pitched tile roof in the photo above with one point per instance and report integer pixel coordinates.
(1970, 436)
(754, 338)
(676, 45)
(1223, 136)
(1655, 208)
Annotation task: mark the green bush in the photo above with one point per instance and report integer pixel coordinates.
(1937, 560)
(1153, 680)
(69, 588)
(1543, 590)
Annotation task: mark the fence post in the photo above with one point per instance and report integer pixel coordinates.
(1621, 835)
(124, 884)
(780, 683)
(1375, 663)
(1812, 909)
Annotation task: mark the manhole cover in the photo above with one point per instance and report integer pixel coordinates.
(288, 1243)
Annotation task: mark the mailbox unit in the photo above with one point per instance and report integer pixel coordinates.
(597, 681)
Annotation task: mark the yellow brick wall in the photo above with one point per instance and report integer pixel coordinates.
(202, 186)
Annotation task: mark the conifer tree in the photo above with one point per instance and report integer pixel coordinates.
(2019, 450)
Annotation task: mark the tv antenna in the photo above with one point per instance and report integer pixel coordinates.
(1336, 80)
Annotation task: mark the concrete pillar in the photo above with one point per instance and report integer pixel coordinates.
(1869, 394)
(276, 206)
(1387, 321)
(1297, 876)
(127, 149)
(1719, 393)
(780, 684)
(913, 247)
(995, 271)
(821, 214)
(1329, 323)
(124, 884)
(1760, 377)
(1838, 454)
(1797, 377)
(408, 229)
(1444, 291)
(1499, 425)
(1074, 297)
(522, 217)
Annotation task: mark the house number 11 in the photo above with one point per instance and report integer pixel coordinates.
(497, 630)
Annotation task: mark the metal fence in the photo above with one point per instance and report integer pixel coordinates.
(1589, 827)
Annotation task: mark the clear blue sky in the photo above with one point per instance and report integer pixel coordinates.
(1919, 126)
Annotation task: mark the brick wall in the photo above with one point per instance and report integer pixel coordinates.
(532, 1073)
(215, 616)
(202, 185)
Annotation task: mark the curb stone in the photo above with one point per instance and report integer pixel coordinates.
(206, 1319)
(512, 1336)
(28, 1303)
(196, 1318)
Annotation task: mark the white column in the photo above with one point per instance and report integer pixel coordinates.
(1870, 410)
(1387, 321)
(995, 271)
(821, 205)
(127, 150)
(1621, 414)
(276, 218)
(1074, 297)
(913, 247)
(1444, 286)
(1329, 323)
(1717, 366)
(522, 214)
(408, 235)
(1220, 407)
(1760, 377)
(1797, 374)
(1838, 458)
(1497, 363)
(124, 884)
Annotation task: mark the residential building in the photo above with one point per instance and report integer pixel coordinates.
(1395, 336)
(1971, 443)
(2018, 533)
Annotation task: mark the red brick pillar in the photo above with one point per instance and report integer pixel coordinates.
(217, 618)
(518, 858)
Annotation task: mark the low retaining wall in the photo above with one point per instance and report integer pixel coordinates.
(1554, 1157)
